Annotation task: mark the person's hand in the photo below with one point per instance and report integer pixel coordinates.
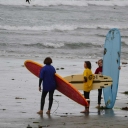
(119, 67)
(40, 88)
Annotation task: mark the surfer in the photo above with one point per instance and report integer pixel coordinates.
(88, 80)
(99, 71)
(47, 75)
(28, 1)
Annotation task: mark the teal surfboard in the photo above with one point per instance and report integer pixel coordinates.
(111, 64)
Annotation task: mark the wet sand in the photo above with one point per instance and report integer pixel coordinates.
(20, 100)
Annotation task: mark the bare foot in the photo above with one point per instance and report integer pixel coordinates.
(40, 112)
(85, 111)
(48, 112)
(98, 106)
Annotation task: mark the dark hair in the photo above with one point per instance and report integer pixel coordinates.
(88, 63)
(48, 61)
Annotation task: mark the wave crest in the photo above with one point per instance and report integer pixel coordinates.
(45, 45)
(60, 27)
(66, 2)
(64, 45)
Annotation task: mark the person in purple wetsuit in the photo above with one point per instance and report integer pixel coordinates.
(47, 78)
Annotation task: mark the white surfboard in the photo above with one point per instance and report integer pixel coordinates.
(99, 81)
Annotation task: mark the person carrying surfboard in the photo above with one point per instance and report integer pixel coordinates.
(99, 71)
(88, 80)
(47, 75)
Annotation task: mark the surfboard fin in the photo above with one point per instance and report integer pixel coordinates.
(105, 51)
(111, 86)
(118, 54)
(117, 61)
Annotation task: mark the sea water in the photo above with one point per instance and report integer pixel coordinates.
(74, 29)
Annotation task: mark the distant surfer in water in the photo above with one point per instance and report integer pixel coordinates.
(28, 1)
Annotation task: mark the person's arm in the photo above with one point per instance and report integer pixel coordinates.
(96, 72)
(40, 81)
(41, 78)
(85, 75)
(85, 79)
(119, 67)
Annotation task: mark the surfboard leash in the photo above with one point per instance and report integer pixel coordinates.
(57, 106)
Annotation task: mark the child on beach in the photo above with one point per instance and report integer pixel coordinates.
(47, 75)
(99, 71)
(88, 79)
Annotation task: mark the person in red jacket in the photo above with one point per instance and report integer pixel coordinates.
(99, 71)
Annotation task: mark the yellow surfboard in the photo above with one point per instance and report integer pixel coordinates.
(99, 81)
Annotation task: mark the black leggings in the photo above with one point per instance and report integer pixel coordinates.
(99, 95)
(86, 96)
(44, 93)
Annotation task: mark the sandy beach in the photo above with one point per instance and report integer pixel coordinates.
(20, 100)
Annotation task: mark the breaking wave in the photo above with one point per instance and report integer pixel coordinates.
(66, 2)
(59, 27)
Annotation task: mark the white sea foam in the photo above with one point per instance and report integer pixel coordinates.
(66, 2)
(61, 27)
(40, 28)
(57, 45)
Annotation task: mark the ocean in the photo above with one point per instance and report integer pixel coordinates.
(60, 28)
